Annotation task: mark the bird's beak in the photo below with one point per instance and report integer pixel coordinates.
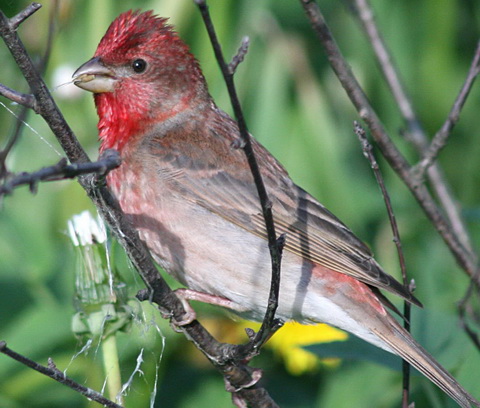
(95, 77)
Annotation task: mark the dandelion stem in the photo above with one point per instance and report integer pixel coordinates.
(112, 368)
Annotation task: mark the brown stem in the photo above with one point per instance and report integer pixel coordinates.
(269, 324)
(397, 161)
(416, 133)
(109, 160)
(26, 100)
(368, 152)
(15, 21)
(440, 139)
(54, 373)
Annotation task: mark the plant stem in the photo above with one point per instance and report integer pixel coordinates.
(111, 367)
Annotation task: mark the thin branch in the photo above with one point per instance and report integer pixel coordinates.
(449, 205)
(27, 100)
(465, 259)
(15, 21)
(368, 152)
(269, 324)
(440, 139)
(109, 160)
(416, 133)
(352, 87)
(385, 61)
(455, 234)
(54, 373)
(464, 309)
(45, 103)
(239, 56)
(22, 116)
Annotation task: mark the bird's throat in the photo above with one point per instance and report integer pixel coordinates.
(120, 122)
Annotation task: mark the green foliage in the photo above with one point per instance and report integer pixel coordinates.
(295, 106)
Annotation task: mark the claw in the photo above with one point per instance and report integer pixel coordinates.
(188, 317)
(255, 374)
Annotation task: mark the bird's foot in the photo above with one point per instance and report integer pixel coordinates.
(237, 400)
(185, 295)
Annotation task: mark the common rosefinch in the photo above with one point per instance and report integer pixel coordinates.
(192, 198)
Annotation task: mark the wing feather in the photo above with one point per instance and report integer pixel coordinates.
(218, 179)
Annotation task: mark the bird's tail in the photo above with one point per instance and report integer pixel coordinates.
(402, 344)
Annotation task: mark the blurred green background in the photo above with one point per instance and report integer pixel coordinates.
(293, 105)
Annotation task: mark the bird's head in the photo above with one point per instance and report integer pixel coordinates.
(142, 74)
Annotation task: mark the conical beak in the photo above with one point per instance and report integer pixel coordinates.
(95, 77)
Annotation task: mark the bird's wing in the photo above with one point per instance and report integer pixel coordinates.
(216, 176)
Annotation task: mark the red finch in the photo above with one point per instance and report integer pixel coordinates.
(192, 198)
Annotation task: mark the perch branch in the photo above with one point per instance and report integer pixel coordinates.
(269, 325)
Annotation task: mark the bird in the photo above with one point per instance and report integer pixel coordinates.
(187, 189)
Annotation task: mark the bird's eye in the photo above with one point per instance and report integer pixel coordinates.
(139, 65)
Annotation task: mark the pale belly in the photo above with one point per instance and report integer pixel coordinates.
(211, 255)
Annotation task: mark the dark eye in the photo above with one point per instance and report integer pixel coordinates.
(139, 65)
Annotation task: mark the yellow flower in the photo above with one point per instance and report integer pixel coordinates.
(290, 339)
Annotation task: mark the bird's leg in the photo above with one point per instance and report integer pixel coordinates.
(185, 295)
(190, 294)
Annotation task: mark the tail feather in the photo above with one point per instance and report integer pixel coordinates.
(402, 344)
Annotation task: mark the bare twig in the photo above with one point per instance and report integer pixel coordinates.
(109, 160)
(416, 133)
(464, 257)
(368, 152)
(428, 151)
(440, 139)
(450, 207)
(385, 61)
(26, 100)
(15, 21)
(269, 324)
(465, 309)
(239, 56)
(54, 373)
(46, 105)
